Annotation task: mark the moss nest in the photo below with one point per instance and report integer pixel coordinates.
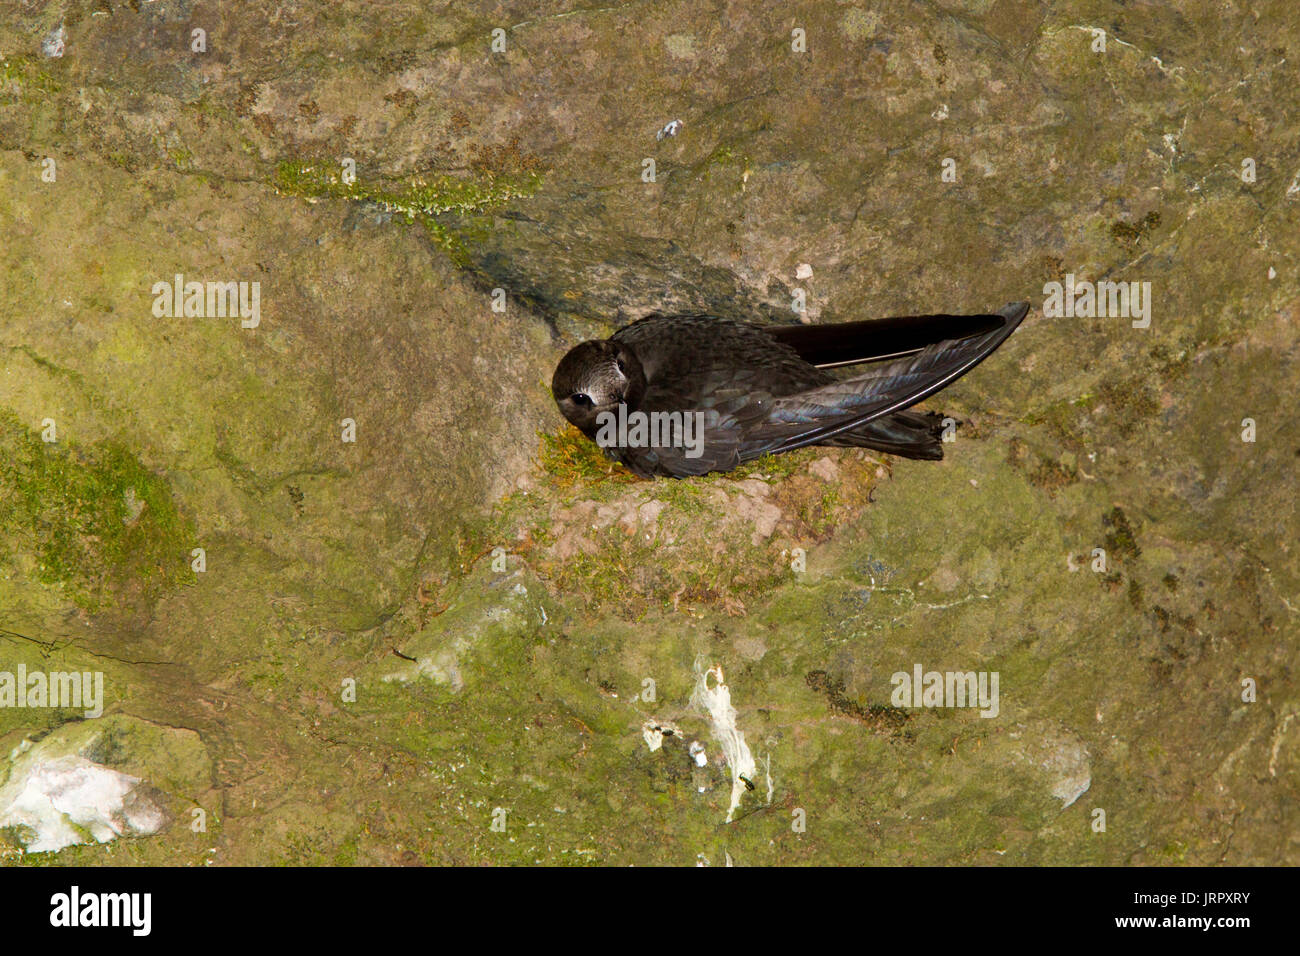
(596, 532)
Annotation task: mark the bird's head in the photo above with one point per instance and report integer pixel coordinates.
(596, 377)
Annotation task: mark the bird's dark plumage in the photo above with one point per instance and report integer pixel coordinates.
(767, 389)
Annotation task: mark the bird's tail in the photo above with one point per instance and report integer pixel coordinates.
(906, 434)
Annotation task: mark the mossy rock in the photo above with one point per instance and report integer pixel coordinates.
(92, 520)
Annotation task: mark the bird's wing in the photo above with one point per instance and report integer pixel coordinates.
(708, 441)
(873, 340)
(812, 416)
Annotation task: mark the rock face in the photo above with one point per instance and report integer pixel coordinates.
(305, 526)
(68, 789)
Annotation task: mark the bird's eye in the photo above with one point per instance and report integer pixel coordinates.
(619, 363)
(580, 399)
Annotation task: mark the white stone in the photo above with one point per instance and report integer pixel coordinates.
(55, 801)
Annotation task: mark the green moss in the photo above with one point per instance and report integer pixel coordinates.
(1175, 851)
(774, 468)
(570, 458)
(819, 514)
(94, 520)
(735, 167)
(311, 847)
(22, 78)
(721, 155)
(1064, 417)
(346, 855)
(181, 157)
(418, 198)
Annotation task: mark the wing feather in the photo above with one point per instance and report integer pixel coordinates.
(815, 415)
(874, 340)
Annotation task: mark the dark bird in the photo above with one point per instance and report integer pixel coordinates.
(689, 394)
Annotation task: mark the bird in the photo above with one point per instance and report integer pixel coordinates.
(688, 394)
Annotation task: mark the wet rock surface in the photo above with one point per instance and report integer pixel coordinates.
(372, 650)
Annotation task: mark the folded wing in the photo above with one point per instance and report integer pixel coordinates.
(813, 416)
(873, 340)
